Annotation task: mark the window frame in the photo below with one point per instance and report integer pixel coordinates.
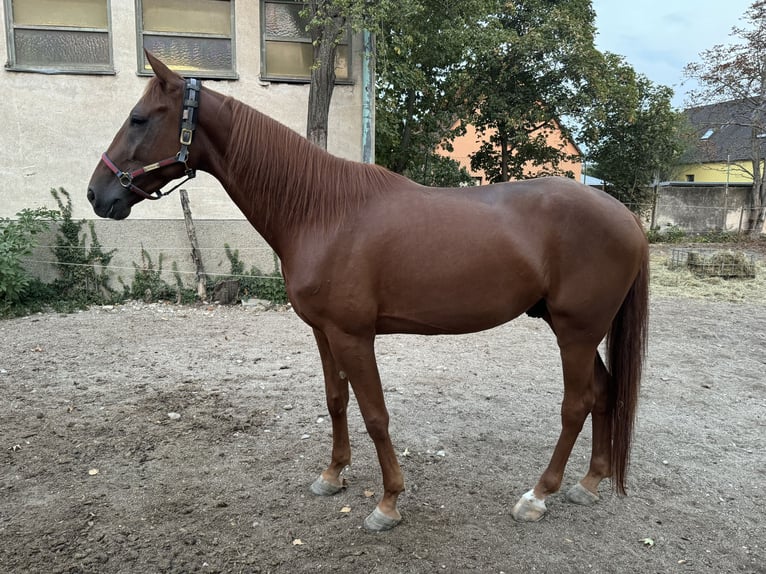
(83, 69)
(266, 77)
(202, 74)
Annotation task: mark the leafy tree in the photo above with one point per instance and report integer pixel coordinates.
(737, 71)
(632, 132)
(328, 21)
(421, 93)
(529, 73)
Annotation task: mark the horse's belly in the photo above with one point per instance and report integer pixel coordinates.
(453, 309)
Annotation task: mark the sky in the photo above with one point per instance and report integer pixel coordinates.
(659, 37)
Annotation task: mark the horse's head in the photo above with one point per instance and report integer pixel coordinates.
(145, 154)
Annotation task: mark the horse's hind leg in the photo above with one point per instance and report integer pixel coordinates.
(336, 390)
(579, 397)
(586, 491)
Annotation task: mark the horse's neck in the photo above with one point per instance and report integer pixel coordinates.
(259, 180)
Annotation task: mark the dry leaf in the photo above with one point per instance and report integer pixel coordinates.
(93, 471)
(297, 542)
(346, 509)
(369, 493)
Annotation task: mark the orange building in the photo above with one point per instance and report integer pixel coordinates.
(467, 144)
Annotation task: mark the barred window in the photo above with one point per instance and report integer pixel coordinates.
(287, 53)
(193, 37)
(59, 36)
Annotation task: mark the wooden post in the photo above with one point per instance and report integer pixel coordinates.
(196, 256)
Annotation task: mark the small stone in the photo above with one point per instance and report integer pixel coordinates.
(305, 436)
(174, 416)
(288, 407)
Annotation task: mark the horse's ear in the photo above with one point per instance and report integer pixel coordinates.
(163, 73)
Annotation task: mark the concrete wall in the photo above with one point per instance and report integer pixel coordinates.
(700, 208)
(53, 129)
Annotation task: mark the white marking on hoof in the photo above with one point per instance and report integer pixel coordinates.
(379, 522)
(322, 487)
(529, 508)
(578, 494)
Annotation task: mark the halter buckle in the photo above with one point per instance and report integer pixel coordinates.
(186, 136)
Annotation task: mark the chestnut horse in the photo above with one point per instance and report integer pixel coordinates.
(365, 251)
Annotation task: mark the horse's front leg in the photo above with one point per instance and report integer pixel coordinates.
(355, 356)
(336, 390)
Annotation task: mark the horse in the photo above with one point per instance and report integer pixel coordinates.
(366, 252)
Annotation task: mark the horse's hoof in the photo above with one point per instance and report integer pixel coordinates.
(529, 508)
(581, 495)
(322, 487)
(379, 522)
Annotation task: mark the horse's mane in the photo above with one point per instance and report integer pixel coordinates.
(289, 180)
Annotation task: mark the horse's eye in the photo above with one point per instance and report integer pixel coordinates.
(137, 120)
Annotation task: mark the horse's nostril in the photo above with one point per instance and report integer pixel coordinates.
(91, 195)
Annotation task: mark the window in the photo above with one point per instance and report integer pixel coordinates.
(707, 134)
(193, 37)
(59, 36)
(690, 177)
(287, 53)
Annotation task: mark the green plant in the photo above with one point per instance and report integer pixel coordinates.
(672, 234)
(83, 275)
(255, 283)
(17, 240)
(147, 280)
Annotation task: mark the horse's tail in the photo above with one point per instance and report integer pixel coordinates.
(626, 348)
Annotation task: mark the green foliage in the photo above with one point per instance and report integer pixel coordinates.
(255, 283)
(672, 234)
(632, 132)
(421, 91)
(148, 284)
(82, 268)
(17, 240)
(441, 171)
(675, 234)
(528, 74)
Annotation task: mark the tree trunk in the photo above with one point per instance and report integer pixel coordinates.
(325, 41)
(403, 155)
(503, 158)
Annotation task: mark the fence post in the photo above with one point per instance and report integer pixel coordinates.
(196, 256)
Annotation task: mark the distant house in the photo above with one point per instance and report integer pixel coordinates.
(467, 144)
(722, 137)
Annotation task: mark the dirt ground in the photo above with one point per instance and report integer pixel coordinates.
(159, 438)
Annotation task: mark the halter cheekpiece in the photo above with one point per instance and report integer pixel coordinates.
(192, 87)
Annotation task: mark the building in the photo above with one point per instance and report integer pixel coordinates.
(74, 69)
(721, 139)
(468, 143)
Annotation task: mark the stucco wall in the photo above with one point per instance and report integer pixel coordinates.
(734, 172)
(701, 208)
(53, 129)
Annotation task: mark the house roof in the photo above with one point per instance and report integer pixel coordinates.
(721, 132)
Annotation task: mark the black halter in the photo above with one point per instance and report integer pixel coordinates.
(192, 87)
